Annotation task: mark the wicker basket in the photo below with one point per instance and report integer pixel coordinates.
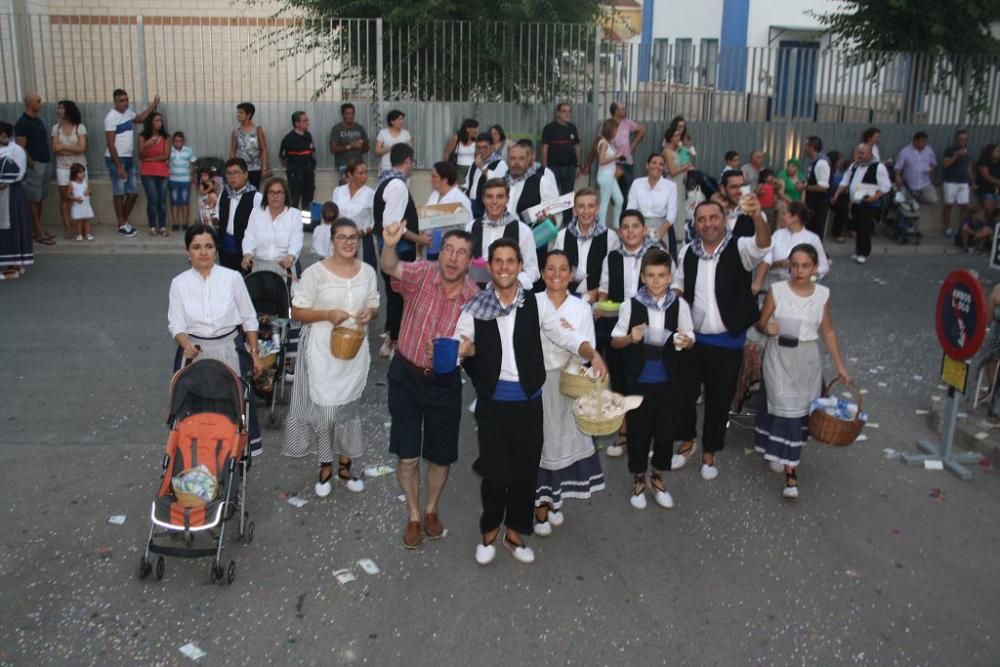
(345, 342)
(575, 385)
(829, 430)
(597, 425)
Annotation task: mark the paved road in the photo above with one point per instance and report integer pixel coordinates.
(866, 568)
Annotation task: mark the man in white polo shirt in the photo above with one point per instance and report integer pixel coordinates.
(119, 134)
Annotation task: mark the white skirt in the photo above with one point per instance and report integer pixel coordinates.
(564, 444)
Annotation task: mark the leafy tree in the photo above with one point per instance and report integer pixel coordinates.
(449, 49)
(954, 35)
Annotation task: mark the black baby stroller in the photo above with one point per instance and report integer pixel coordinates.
(901, 215)
(269, 293)
(208, 442)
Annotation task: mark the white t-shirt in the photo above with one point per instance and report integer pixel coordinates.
(120, 122)
(388, 141)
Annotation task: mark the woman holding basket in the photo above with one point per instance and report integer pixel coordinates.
(795, 314)
(333, 295)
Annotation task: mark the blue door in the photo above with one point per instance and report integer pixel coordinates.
(795, 85)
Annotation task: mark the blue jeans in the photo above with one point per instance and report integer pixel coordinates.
(156, 200)
(120, 187)
(610, 192)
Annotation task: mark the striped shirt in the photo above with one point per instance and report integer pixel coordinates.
(428, 311)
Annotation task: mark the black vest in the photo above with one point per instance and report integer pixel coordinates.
(484, 368)
(814, 199)
(736, 301)
(378, 209)
(595, 258)
(240, 219)
(870, 178)
(744, 226)
(479, 185)
(616, 276)
(511, 231)
(531, 193)
(633, 356)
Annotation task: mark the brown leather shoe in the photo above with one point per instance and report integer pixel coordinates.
(433, 527)
(411, 536)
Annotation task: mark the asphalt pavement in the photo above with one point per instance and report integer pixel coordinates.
(876, 563)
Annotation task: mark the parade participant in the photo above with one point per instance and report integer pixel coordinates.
(865, 173)
(444, 189)
(210, 316)
(817, 193)
(426, 408)
(500, 332)
(730, 197)
(656, 198)
(354, 200)
(569, 466)
(530, 184)
(652, 372)
(273, 237)
(324, 415)
(237, 202)
(793, 373)
(791, 233)
(714, 274)
(392, 203)
(16, 248)
(488, 165)
(498, 222)
(620, 280)
(586, 242)
(322, 236)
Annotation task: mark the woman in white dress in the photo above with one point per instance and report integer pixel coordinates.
(792, 232)
(570, 466)
(389, 137)
(69, 145)
(355, 200)
(325, 411)
(273, 238)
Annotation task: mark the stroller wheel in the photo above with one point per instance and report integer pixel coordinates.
(160, 565)
(215, 572)
(145, 567)
(231, 572)
(248, 533)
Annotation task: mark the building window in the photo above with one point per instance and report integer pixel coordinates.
(660, 58)
(708, 62)
(683, 60)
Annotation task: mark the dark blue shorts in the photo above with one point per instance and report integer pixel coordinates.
(425, 415)
(180, 192)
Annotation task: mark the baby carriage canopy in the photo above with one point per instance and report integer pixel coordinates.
(206, 386)
(269, 293)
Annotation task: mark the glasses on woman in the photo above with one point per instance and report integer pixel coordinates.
(275, 192)
(346, 238)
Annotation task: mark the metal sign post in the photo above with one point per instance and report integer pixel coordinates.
(961, 326)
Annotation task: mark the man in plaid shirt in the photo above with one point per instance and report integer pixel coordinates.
(426, 407)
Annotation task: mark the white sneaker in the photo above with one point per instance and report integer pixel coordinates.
(861, 259)
(543, 529)
(556, 518)
(614, 451)
(791, 492)
(522, 554)
(355, 485)
(664, 500)
(708, 473)
(485, 553)
(323, 489)
(775, 466)
(289, 378)
(638, 501)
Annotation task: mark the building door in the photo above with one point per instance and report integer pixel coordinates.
(795, 84)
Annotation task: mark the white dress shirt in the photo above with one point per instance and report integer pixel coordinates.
(822, 173)
(525, 239)
(632, 268)
(550, 324)
(583, 249)
(358, 207)
(273, 239)
(548, 190)
(234, 202)
(453, 196)
(659, 201)
(705, 313)
(209, 307)
(856, 173)
(578, 316)
(475, 174)
(782, 242)
(657, 318)
(396, 196)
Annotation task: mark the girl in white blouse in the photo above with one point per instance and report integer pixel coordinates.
(273, 239)
(210, 315)
(325, 411)
(355, 200)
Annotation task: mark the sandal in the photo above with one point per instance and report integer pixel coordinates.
(661, 495)
(684, 454)
(791, 485)
(344, 470)
(638, 499)
(324, 486)
(10, 274)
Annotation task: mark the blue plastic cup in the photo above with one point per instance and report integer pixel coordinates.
(445, 355)
(434, 248)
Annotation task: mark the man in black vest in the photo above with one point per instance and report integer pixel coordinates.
(500, 333)
(488, 165)
(530, 185)
(497, 222)
(733, 188)
(817, 186)
(714, 274)
(393, 203)
(868, 181)
(586, 242)
(235, 205)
